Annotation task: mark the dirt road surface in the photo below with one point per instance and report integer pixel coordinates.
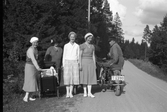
(143, 93)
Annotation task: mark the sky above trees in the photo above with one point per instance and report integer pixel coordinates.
(136, 14)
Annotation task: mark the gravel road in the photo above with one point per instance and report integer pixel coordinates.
(143, 93)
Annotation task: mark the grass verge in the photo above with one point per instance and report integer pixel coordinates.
(149, 68)
(48, 103)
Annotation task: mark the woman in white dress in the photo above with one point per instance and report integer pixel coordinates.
(71, 64)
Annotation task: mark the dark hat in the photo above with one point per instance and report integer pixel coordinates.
(112, 39)
(55, 41)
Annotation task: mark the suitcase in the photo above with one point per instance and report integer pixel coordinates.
(49, 85)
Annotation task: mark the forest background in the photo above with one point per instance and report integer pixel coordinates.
(49, 19)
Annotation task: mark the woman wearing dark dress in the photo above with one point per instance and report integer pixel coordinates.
(87, 65)
(55, 52)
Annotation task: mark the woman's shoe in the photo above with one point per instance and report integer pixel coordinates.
(71, 96)
(90, 95)
(85, 95)
(32, 99)
(25, 99)
(67, 96)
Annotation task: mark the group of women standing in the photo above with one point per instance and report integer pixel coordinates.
(78, 64)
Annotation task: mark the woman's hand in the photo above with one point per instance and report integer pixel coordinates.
(41, 70)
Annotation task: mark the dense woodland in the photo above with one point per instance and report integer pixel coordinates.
(49, 19)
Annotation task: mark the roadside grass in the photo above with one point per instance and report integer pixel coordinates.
(49, 103)
(149, 68)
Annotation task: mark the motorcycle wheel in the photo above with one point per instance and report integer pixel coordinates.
(118, 90)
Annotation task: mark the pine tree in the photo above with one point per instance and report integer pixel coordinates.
(99, 24)
(108, 17)
(147, 34)
(117, 30)
(158, 46)
(146, 38)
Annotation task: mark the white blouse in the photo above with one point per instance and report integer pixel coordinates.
(70, 52)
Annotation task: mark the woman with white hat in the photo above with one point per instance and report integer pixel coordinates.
(87, 65)
(31, 68)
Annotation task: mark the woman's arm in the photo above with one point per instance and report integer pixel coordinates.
(30, 53)
(81, 48)
(80, 59)
(78, 54)
(94, 58)
(47, 52)
(64, 55)
(61, 52)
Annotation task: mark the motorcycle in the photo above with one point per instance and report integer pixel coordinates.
(112, 79)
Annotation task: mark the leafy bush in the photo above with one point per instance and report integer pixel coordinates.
(13, 83)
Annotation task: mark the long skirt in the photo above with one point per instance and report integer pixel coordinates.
(30, 82)
(88, 73)
(71, 72)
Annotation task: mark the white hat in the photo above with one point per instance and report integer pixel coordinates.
(33, 39)
(88, 34)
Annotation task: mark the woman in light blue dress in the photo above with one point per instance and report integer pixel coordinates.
(87, 65)
(31, 69)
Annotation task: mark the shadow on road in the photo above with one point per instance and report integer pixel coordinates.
(79, 90)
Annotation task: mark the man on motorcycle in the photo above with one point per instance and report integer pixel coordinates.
(116, 60)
